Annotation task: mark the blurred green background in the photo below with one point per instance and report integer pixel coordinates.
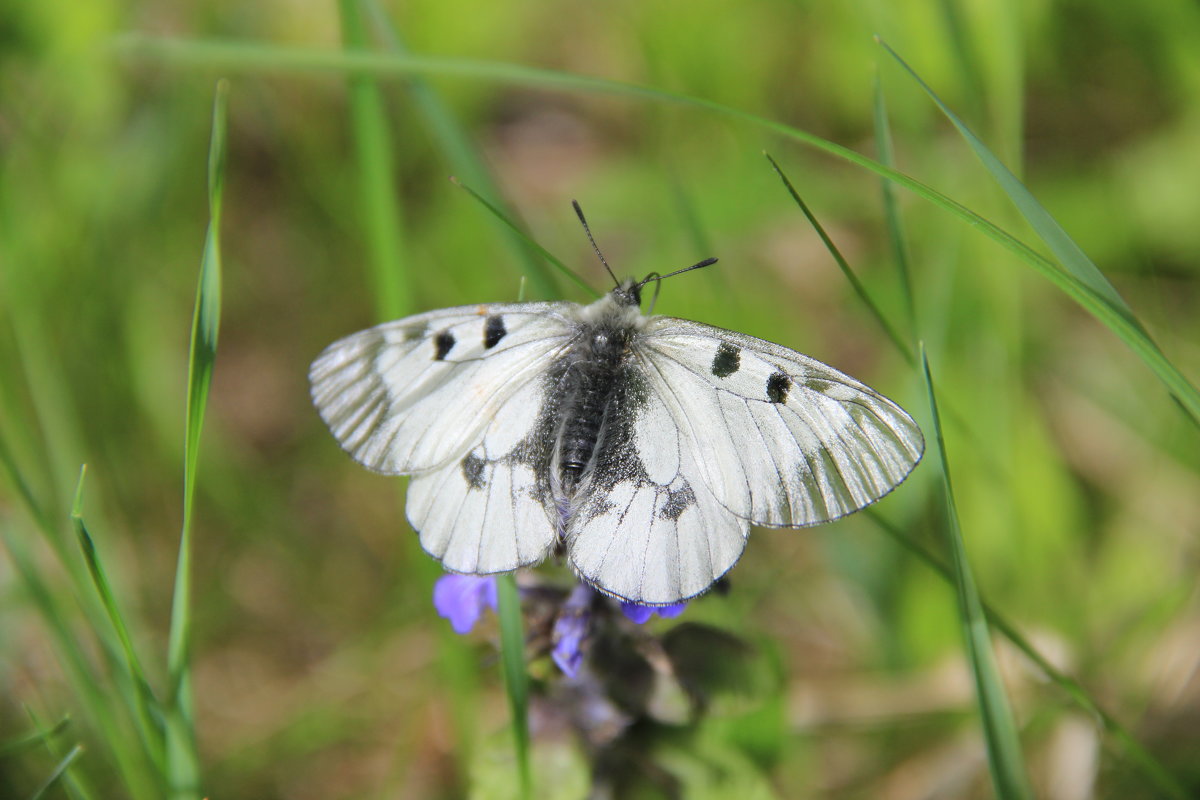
(320, 667)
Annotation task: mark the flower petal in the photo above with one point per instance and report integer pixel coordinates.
(570, 630)
(638, 613)
(462, 598)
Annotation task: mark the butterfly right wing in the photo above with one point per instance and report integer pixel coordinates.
(417, 393)
(458, 398)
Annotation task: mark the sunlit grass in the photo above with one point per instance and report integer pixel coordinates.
(306, 633)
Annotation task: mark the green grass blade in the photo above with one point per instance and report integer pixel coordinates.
(512, 652)
(75, 783)
(546, 254)
(891, 211)
(59, 771)
(463, 157)
(965, 54)
(269, 58)
(1060, 243)
(147, 712)
(376, 172)
(100, 704)
(1150, 767)
(844, 266)
(183, 763)
(32, 739)
(1007, 763)
(17, 478)
(1089, 287)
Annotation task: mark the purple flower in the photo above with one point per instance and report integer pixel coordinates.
(639, 613)
(462, 598)
(570, 629)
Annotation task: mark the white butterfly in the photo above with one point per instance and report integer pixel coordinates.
(643, 447)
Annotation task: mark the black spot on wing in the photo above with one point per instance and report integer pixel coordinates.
(727, 360)
(777, 387)
(493, 331)
(678, 501)
(442, 344)
(472, 467)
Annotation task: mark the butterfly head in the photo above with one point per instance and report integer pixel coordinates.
(628, 293)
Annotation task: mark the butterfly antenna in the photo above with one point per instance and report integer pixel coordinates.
(654, 276)
(588, 231)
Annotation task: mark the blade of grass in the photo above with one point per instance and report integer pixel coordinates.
(512, 654)
(1007, 763)
(546, 254)
(1150, 767)
(59, 771)
(147, 712)
(33, 738)
(183, 763)
(462, 155)
(960, 420)
(891, 212)
(965, 54)
(101, 705)
(75, 783)
(376, 171)
(850, 275)
(258, 57)
(1064, 248)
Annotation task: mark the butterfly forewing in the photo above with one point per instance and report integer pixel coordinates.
(781, 439)
(418, 393)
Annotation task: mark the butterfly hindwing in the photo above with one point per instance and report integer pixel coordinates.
(487, 511)
(780, 438)
(641, 528)
(417, 394)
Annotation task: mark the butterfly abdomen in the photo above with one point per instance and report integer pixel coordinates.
(588, 388)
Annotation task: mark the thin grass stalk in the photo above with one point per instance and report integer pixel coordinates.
(512, 655)
(376, 170)
(28, 741)
(147, 713)
(891, 211)
(256, 57)
(101, 705)
(1145, 762)
(499, 214)
(1007, 764)
(60, 770)
(463, 156)
(75, 783)
(183, 763)
(844, 266)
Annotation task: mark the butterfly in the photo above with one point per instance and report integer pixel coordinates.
(639, 447)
